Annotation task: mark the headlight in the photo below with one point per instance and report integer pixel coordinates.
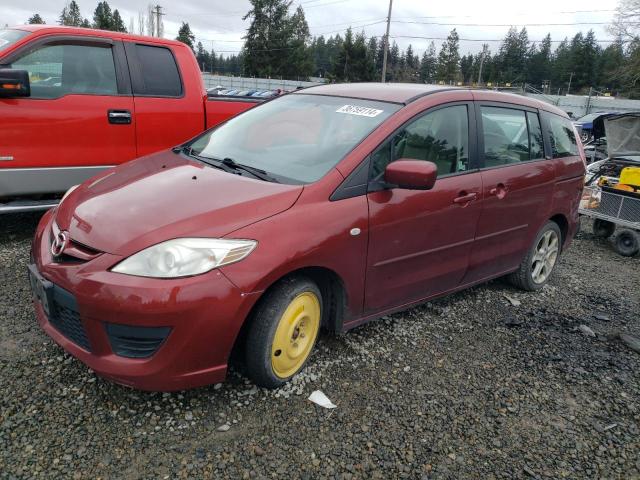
(68, 192)
(183, 257)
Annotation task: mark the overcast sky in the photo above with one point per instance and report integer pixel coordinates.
(219, 23)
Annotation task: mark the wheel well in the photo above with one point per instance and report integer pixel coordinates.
(563, 224)
(334, 303)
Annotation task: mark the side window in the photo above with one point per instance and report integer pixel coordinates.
(562, 137)
(506, 136)
(58, 70)
(441, 137)
(535, 136)
(159, 75)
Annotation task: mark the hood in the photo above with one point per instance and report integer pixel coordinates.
(622, 133)
(165, 196)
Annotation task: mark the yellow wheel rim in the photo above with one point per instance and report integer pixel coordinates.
(296, 333)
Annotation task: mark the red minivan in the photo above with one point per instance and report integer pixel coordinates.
(320, 209)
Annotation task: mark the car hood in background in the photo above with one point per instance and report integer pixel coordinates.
(622, 133)
(165, 196)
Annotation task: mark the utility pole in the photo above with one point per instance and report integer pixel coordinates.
(569, 87)
(157, 11)
(482, 55)
(386, 46)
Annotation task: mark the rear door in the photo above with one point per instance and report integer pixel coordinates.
(518, 181)
(77, 119)
(169, 101)
(419, 241)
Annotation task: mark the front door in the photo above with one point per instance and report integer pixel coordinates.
(518, 184)
(419, 241)
(77, 119)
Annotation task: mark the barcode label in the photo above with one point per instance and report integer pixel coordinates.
(362, 111)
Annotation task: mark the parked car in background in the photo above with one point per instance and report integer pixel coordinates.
(75, 101)
(585, 125)
(327, 207)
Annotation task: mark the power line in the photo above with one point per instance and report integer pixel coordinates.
(485, 39)
(508, 24)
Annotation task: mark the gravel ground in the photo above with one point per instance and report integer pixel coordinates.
(488, 383)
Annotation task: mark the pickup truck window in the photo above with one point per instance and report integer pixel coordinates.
(58, 70)
(9, 36)
(159, 75)
(296, 138)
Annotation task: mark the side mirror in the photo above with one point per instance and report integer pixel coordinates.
(411, 174)
(14, 83)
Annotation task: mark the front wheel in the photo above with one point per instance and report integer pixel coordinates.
(535, 270)
(283, 332)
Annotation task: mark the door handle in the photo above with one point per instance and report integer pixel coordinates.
(499, 191)
(465, 198)
(119, 117)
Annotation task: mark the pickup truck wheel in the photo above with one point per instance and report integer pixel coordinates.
(283, 332)
(603, 228)
(627, 243)
(537, 266)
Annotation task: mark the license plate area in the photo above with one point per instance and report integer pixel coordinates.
(42, 289)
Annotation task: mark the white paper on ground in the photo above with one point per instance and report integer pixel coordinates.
(321, 399)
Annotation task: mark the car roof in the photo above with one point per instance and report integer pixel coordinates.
(64, 30)
(405, 93)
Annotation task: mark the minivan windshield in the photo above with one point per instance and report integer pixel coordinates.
(9, 36)
(296, 138)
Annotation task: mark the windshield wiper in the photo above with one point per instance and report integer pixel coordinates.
(212, 162)
(256, 172)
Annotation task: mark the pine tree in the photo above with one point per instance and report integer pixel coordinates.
(428, 64)
(449, 58)
(202, 56)
(71, 16)
(299, 62)
(185, 35)
(118, 23)
(265, 47)
(36, 19)
(102, 17)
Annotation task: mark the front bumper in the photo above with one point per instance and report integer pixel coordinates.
(200, 317)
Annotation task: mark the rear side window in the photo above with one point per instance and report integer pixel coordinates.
(440, 136)
(562, 137)
(58, 70)
(535, 136)
(159, 75)
(506, 136)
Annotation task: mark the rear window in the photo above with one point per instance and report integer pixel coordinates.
(562, 137)
(159, 76)
(8, 37)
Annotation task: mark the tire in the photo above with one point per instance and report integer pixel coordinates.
(283, 331)
(603, 228)
(537, 266)
(627, 243)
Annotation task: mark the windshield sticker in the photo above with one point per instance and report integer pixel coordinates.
(362, 111)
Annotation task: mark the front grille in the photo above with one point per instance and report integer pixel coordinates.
(135, 342)
(65, 318)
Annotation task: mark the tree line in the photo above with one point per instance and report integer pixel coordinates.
(278, 44)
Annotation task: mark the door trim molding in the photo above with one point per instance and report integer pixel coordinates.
(40, 180)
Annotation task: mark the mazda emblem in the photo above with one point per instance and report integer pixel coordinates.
(60, 243)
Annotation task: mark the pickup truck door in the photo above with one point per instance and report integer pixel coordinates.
(77, 121)
(168, 94)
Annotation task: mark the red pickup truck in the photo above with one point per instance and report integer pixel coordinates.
(75, 101)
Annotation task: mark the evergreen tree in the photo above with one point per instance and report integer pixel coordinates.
(267, 37)
(102, 17)
(202, 56)
(71, 17)
(185, 35)
(428, 64)
(448, 69)
(118, 23)
(299, 59)
(539, 65)
(36, 19)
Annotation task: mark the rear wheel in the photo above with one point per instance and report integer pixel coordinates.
(627, 243)
(603, 228)
(283, 332)
(536, 268)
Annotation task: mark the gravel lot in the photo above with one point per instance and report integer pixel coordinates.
(476, 385)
